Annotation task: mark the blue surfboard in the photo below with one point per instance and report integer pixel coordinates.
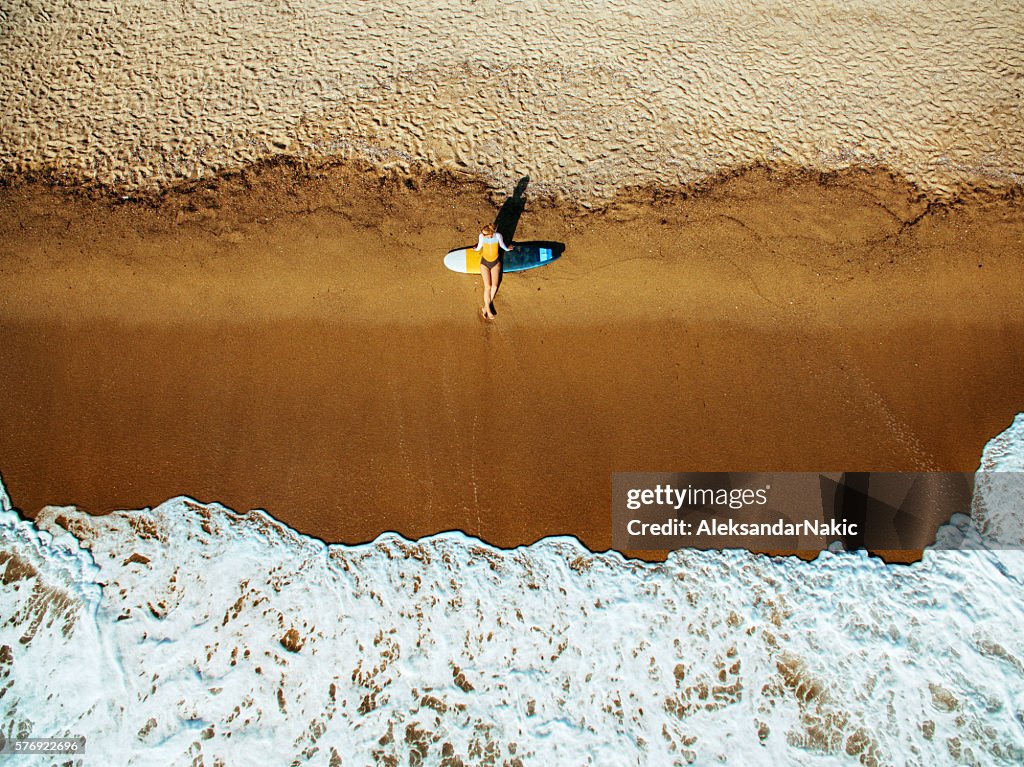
(523, 256)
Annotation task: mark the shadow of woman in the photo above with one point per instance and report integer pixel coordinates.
(523, 255)
(507, 220)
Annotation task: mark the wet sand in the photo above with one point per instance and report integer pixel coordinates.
(294, 344)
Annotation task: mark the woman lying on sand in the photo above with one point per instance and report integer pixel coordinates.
(490, 266)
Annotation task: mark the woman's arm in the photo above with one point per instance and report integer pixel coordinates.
(479, 243)
(501, 242)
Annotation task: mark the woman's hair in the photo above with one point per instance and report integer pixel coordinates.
(487, 230)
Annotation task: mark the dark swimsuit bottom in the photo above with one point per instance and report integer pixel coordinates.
(489, 264)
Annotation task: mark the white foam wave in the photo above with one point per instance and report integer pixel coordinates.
(192, 634)
(998, 509)
(53, 664)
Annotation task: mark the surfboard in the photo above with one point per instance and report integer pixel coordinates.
(523, 256)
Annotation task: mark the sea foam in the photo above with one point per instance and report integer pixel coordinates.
(191, 634)
(1000, 486)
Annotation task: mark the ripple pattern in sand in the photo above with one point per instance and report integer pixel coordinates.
(586, 96)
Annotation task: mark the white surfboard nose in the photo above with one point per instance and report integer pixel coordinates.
(456, 260)
(465, 260)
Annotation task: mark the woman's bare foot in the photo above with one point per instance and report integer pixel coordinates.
(486, 314)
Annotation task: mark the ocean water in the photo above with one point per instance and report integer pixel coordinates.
(192, 635)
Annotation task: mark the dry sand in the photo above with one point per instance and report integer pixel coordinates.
(294, 344)
(586, 96)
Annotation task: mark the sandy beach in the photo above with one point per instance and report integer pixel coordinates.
(293, 343)
(790, 231)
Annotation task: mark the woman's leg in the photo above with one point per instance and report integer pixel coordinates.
(495, 282)
(485, 273)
